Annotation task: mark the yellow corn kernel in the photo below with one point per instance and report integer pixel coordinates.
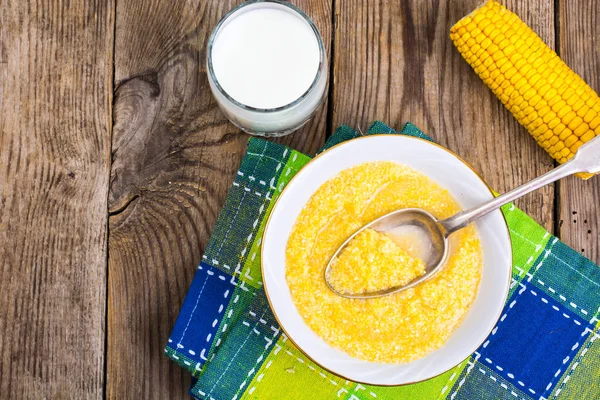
(536, 121)
(576, 146)
(559, 105)
(543, 110)
(581, 129)
(570, 141)
(535, 100)
(594, 123)
(550, 118)
(573, 100)
(564, 134)
(580, 90)
(478, 19)
(528, 110)
(589, 116)
(578, 105)
(541, 130)
(561, 113)
(568, 117)
(583, 110)
(589, 135)
(543, 90)
(565, 152)
(575, 123)
(559, 128)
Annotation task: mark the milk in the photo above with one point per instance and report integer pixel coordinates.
(267, 67)
(265, 58)
(413, 240)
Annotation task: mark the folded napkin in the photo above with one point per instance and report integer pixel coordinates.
(544, 345)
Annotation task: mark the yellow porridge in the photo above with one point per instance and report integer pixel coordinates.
(360, 269)
(396, 328)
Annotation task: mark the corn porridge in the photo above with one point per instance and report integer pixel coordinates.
(359, 269)
(394, 329)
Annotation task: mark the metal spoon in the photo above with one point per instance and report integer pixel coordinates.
(587, 159)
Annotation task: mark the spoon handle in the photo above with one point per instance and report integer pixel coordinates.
(587, 159)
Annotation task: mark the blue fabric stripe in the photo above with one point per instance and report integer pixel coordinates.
(200, 315)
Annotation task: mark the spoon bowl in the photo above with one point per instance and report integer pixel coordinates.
(436, 250)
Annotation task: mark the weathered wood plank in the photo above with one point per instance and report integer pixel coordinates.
(579, 208)
(363, 47)
(174, 158)
(55, 128)
(395, 62)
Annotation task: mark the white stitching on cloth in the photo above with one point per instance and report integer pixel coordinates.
(503, 317)
(234, 356)
(225, 294)
(561, 297)
(468, 371)
(565, 360)
(512, 392)
(258, 360)
(192, 313)
(450, 380)
(241, 201)
(566, 378)
(511, 376)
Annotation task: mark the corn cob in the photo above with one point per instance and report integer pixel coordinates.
(554, 103)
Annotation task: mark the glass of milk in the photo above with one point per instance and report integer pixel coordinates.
(267, 67)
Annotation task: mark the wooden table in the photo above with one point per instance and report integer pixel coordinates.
(115, 162)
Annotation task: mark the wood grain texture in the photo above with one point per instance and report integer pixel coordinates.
(55, 127)
(579, 208)
(394, 61)
(174, 159)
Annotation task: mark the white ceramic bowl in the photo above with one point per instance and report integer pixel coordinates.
(466, 187)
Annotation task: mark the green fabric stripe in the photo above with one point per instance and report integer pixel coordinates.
(433, 388)
(303, 379)
(235, 222)
(570, 279)
(236, 309)
(252, 272)
(528, 239)
(582, 382)
(481, 382)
